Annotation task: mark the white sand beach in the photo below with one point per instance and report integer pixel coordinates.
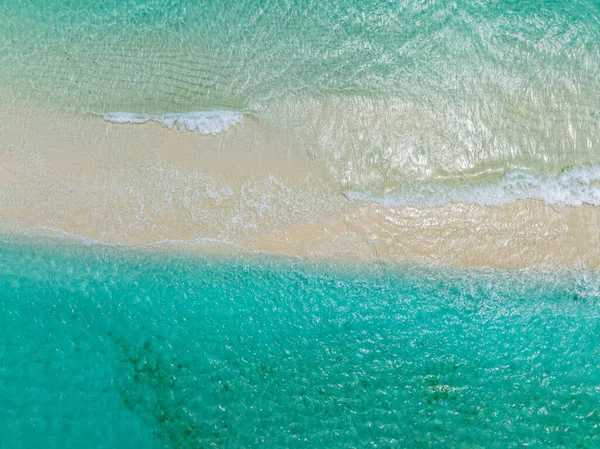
(253, 190)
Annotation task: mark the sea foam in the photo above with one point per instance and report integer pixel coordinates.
(205, 122)
(570, 188)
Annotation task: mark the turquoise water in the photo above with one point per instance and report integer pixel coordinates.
(416, 103)
(104, 348)
(382, 92)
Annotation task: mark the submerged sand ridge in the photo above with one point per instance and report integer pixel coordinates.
(253, 190)
(518, 235)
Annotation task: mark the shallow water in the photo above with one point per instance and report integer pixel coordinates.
(101, 347)
(383, 93)
(400, 102)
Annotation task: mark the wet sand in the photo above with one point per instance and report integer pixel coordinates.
(519, 235)
(252, 190)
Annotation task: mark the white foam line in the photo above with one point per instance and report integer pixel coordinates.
(45, 231)
(570, 188)
(204, 122)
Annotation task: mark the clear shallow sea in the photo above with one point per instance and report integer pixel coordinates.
(108, 348)
(407, 103)
(383, 93)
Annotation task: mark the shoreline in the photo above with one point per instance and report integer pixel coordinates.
(353, 239)
(458, 235)
(144, 185)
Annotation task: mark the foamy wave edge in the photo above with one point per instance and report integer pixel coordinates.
(205, 122)
(573, 187)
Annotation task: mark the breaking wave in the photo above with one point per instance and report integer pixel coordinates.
(205, 122)
(573, 187)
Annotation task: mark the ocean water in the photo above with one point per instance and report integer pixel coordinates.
(107, 348)
(399, 102)
(383, 93)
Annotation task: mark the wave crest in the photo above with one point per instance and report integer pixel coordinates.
(570, 188)
(205, 122)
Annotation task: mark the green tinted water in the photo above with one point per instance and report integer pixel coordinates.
(101, 348)
(383, 92)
